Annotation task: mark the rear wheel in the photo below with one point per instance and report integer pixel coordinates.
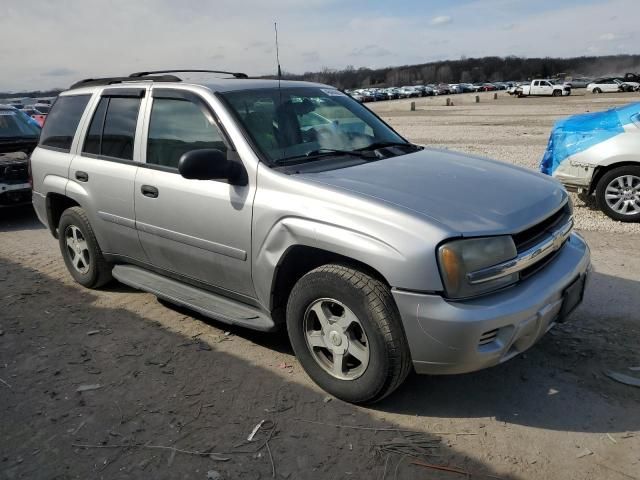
(346, 332)
(597, 90)
(80, 249)
(618, 193)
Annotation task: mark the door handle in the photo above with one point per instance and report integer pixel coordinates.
(149, 191)
(82, 176)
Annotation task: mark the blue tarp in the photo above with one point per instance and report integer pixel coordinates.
(577, 133)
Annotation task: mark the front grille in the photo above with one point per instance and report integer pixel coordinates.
(534, 235)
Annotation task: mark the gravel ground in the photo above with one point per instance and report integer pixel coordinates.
(154, 375)
(514, 130)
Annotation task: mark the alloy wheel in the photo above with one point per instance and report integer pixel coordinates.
(623, 195)
(77, 249)
(336, 339)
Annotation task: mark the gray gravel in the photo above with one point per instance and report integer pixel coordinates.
(509, 129)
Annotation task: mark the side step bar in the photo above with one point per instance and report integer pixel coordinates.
(204, 302)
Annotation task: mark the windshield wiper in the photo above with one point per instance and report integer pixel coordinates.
(329, 151)
(377, 145)
(322, 152)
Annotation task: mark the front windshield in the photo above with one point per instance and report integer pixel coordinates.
(15, 124)
(297, 123)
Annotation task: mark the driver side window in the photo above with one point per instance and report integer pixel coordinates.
(178, 126)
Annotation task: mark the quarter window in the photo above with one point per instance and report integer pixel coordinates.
(176, 127)
(62, 122)
(113, 127)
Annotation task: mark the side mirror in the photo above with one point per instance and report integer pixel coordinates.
(209, 164)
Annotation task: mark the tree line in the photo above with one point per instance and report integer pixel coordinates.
(472, 70)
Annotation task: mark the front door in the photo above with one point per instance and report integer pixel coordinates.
(199, 229)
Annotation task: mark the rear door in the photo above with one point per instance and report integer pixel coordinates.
(103, 172)
(199, 230)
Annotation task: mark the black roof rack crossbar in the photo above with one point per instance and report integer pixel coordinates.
(155, 72)
(92, 82)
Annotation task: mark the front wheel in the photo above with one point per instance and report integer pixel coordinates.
(618, 193)
(346, 332)
(80, 249)
(557, 93)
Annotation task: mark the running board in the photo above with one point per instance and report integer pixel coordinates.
(204, 302)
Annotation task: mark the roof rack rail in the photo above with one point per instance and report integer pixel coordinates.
(92, 82)
(155, 72)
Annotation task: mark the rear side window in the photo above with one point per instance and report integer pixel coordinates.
(113, 127)
(62, 122)
(176, 127)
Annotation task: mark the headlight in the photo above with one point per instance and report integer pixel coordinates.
(458, 258)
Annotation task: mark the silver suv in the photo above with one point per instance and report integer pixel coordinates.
(274, 204)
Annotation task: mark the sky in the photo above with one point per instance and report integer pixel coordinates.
(52, 43)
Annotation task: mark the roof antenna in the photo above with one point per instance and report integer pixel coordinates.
(275, 27)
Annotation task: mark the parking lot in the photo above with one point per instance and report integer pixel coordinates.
(115, 384)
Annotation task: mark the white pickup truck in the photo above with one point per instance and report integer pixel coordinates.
(543, 87)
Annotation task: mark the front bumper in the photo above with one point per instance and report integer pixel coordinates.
(447, 337)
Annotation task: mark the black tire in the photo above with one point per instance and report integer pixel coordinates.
(557, 93)
(597, 90)
(605, 180)
(584, 197)
(98, 272)
(371, 301)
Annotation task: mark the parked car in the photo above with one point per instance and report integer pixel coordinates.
(443, 89)
(608, 85)
(631, 77)
(467, 87)
(579, 82)
(392, 93)
(543, 87)
(18, 137)
(377, 255)
(43, 108)
(513, 89)
(597, 154)
(629, 86)
(37, 115)
(409, 92)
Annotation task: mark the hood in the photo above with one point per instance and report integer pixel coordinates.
(470, 196)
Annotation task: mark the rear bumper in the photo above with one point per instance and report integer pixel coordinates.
(14, 193)
(448, 337)
(40, 206)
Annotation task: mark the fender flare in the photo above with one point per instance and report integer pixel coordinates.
(289, 232)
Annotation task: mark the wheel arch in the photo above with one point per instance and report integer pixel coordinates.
(297, 261)
(56, 204)
(601, 170)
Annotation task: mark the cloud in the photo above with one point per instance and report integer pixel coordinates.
(608, 37)
(237, 35)
(59, 72)
(441, 20)
(370, 51)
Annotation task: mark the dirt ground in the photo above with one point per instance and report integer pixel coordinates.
(157, 376)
